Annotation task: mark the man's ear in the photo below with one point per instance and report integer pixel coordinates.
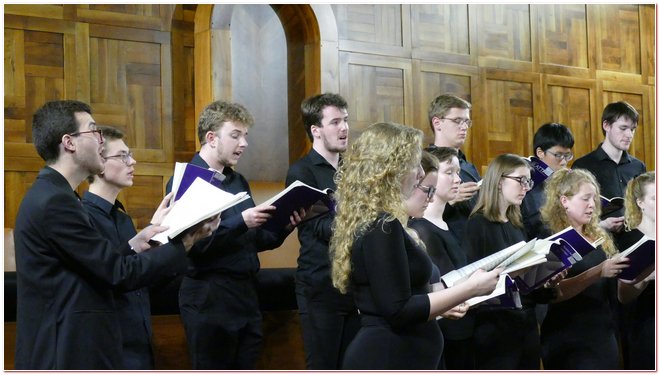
(210, 136)
(606, 126)
(67, 143)
(314, 129)
(436, 123)
(539, 152)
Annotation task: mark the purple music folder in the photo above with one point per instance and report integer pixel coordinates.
(640, 257)
(191, 172)
(296, 196)
(540, 171)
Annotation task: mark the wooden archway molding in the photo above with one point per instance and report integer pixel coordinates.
(312, 55)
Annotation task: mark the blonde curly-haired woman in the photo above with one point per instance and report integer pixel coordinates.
(578, 332)
(383, 262)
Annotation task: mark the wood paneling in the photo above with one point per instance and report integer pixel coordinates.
(145, 67)
(571, 104)
(376, 88)
(510, 128)
(438, 31)
(503, 31)
(149, 69)
(374, 28)
(115, 57)
(563, 35)
(617, 30)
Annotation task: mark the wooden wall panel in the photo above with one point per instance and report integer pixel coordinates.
(97, 55)
(617, 29)
(563, 38)
(509, 129)
(376, 89)
(504, 31)
(572, 106)
(440, 32)
(142, 199)
(16, 184)
(142, 67)
(647, 36)
(374, 28)
(370, 23)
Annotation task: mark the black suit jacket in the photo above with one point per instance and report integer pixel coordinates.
(66, 272)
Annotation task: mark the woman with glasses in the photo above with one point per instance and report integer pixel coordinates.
(578, 331)
(424, 191)
(382, 261)
(503, 339)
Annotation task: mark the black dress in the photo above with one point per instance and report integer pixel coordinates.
(447, 255)
(505, 339)
(638, 318)
(390, 280)
(579, 333)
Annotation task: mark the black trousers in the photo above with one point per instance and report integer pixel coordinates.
(507, 340)
(222, 321)
(329, 323)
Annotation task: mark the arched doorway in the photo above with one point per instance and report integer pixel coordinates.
(311, 61)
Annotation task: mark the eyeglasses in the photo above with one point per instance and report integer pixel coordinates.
(124, 156)
(523, 181)
(97, 131)
(459, 121)
(428, 190)
(567, 156)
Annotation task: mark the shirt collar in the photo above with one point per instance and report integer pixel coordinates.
(602, 155)
(101, 203)
(317, 159)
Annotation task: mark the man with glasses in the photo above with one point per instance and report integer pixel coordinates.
(610, 162)
(66, 270)
(449, 117)
(552, 145)
(110, 218)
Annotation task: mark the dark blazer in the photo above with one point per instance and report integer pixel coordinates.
(66, 272)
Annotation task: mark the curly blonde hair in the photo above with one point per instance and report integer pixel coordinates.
(567, 182)
(635, 191)
(368, 183)
(488, 202)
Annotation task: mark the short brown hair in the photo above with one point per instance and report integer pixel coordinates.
(443, 103)
(219, 112)
(312, 109)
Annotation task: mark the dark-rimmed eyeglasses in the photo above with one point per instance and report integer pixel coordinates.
(125, 157)
(97, 131)
(428, 190)
(523, 181)
(459, 121)
(567, 156)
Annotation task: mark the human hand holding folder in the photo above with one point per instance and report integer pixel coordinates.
(202, 201)
(296, 196)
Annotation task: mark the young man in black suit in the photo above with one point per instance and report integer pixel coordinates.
(111, 220)
(610, 162)
(328, 318)
(218, 296)
(66, 270)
